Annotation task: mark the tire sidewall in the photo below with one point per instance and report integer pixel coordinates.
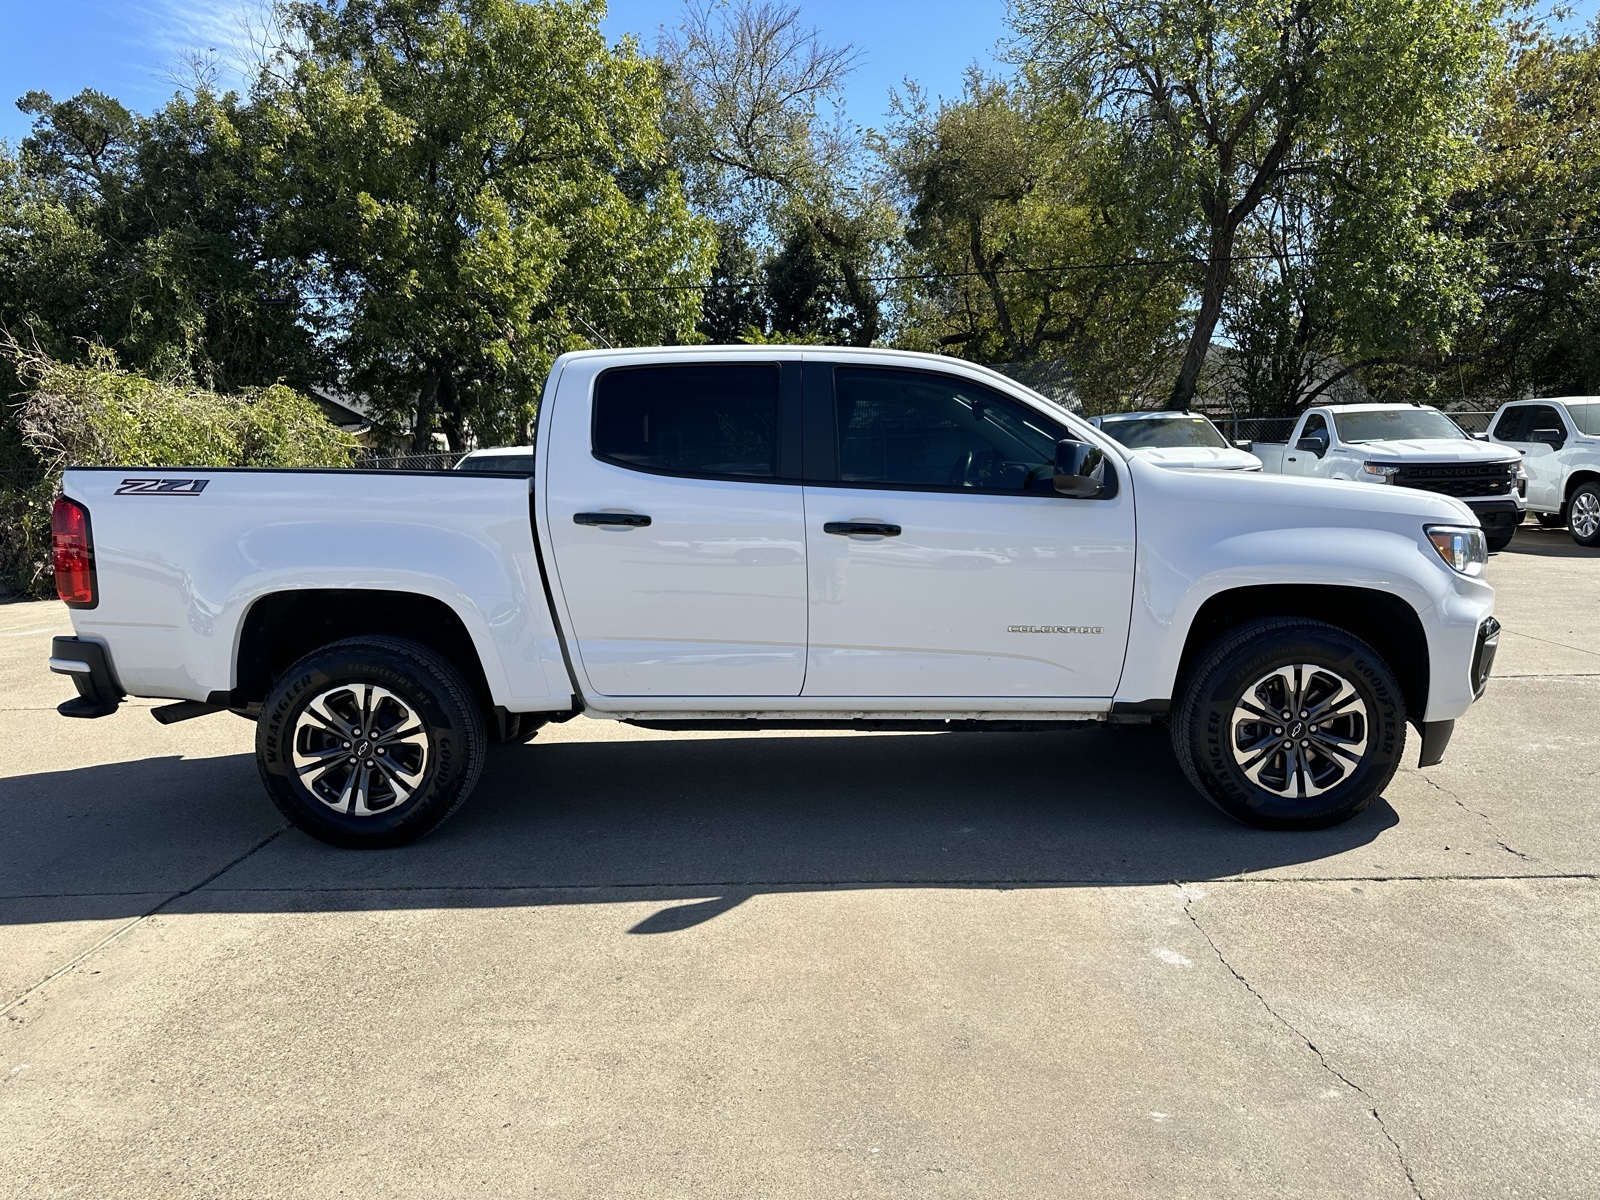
(449, 767)
(1593, 540)
(1212, 731)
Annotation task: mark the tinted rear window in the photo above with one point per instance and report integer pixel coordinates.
(711, 419)
(506, 464)
(1586, 417)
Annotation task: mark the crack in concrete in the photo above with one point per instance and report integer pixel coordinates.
(1322, 1059)
(114, 935)
(1494, 830)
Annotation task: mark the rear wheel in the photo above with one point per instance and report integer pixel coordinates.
(1289, 724)
(370, 742)
(1583, 515)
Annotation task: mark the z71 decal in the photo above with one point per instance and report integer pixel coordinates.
(162, 487)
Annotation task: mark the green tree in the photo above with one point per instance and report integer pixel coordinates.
(473, 187)
(1537, 210)
(1241, 98)
(144, 234)
(1015, 208)
(792, 189)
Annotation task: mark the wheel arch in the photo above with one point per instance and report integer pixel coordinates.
(279, 628)
(1576, 480)
(1384, 621)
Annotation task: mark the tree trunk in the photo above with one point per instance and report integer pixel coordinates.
(1213, 287)
(422, 427)
(451, 419)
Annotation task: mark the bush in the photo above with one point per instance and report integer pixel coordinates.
(96, 415)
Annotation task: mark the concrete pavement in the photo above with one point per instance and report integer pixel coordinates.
(810, 965)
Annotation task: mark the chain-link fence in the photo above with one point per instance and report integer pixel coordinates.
(437, 461)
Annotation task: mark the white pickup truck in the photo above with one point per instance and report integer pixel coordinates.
(1408, 446)
(749, 537)
(1559, 441)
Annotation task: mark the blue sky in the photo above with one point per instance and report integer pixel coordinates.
(132, 48)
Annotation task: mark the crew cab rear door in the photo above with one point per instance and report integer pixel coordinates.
(942, 561)
(672, 504)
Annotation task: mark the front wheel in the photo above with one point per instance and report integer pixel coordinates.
(1289, 724)
(1550, 520)
(370, 742)
(1500, 539)
(1583, 515)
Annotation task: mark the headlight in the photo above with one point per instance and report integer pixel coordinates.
(1462, 547)
(1383, 471)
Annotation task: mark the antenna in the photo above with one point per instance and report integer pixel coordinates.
(593, 332)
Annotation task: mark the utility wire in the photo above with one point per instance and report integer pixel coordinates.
(1063, 268)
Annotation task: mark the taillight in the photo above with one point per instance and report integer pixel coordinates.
(72, 549)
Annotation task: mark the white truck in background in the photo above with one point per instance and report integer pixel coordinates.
(1559, 440)
(1405, 446)
(786, 537)
(1180, 441)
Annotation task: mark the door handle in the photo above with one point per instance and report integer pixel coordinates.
(846, 528)
(1291, 459)
(628, 520)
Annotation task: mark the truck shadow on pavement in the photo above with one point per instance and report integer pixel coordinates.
(714, 820)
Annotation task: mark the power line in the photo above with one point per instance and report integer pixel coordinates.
(1063, 268)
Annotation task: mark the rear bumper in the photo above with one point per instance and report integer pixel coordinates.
(89, 667)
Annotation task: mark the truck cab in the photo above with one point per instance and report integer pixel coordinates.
(1559, 440)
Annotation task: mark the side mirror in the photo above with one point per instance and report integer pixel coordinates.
(1313, 443)
(1079, 470)
(1242, 444)
(1548, 437)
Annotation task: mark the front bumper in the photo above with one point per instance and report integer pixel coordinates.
(89, 665)
(1496, 515)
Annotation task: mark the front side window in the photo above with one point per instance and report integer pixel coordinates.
(1164, 432)
(710, 419)
(920, 429)
(1396, 424)
(1513, 424)
(1316, 426)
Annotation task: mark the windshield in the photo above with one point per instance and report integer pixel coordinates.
(1586, 417)
(1394, 424)
(504, 464)
(1140, 432)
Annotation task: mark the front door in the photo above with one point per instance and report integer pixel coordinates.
(675, 513)
(942, 561)
(1539, 432)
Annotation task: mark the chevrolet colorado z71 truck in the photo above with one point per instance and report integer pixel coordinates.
(1559, 441)
(749, 537)
(1409, 446)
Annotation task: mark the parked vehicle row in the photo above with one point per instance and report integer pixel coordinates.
(1553, 474)
(791, 537)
